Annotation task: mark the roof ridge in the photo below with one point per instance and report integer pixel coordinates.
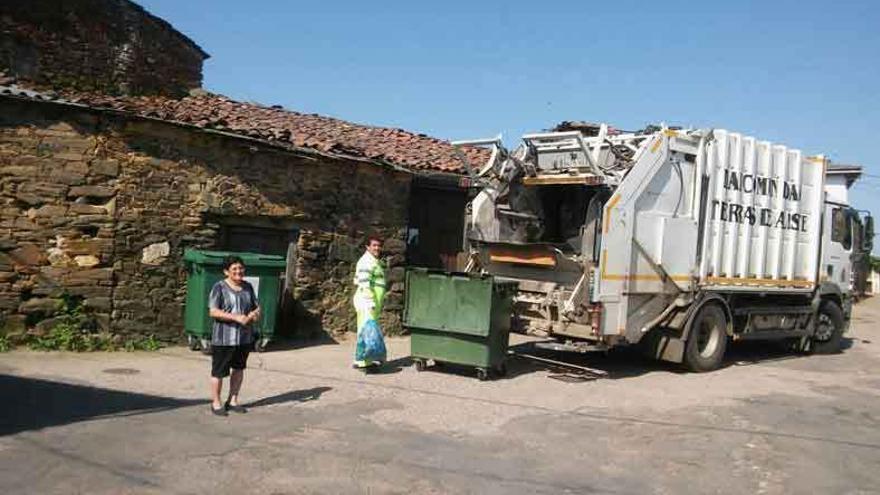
(418, 152)
(284, 110)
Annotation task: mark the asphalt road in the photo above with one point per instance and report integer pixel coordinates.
(768, 422)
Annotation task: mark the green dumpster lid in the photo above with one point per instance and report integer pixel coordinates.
(438, 271)
(250, 259)
(503, 284)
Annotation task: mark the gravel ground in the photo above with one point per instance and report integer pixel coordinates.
(768, 422)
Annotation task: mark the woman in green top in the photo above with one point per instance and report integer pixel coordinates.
(369, 280)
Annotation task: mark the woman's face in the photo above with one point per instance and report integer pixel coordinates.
(375, 248)
(235, 272)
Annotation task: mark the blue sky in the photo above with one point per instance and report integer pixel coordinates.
(803, 73)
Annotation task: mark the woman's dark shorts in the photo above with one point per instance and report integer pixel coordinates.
(224, 357)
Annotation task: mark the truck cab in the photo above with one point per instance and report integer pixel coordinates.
(847, 241)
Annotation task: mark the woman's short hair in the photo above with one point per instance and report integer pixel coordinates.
(232, 260)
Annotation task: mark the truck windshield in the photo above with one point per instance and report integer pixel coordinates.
(841, 227)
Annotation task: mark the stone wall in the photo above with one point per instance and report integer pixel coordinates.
(101, 207)
(109, 46)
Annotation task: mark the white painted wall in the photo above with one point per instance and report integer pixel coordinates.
(835, 186)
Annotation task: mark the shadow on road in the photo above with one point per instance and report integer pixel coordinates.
(393, 366)
(758, 352)
(291, 343)
(33, 403)
(618, 363)
(626, 362)
(292, 396)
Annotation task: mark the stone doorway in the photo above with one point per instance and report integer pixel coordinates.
(435, 232)
(249, 235)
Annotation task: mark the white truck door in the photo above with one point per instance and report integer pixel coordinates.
(838, 245)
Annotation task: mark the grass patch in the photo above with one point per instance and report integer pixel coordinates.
(76, 331)
(148, 343)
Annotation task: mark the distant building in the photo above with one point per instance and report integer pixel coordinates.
(839, 179)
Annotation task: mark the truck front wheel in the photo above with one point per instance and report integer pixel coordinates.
(707, 340)
(829, 328)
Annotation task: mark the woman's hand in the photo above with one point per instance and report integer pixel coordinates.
(242, 320)
(255, 315)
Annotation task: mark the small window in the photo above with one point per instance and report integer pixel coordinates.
(840, 228)
(257, 239)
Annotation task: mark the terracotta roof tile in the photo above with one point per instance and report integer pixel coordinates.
(416, 152)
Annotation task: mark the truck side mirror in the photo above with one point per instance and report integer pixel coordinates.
(869, 233)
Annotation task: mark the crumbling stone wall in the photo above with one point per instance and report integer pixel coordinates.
(102, 207)
(108, 46)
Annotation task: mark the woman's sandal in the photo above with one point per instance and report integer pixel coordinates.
(239, 408)
(219, 412)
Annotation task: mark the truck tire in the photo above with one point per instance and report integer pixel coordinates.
(829, 328)
(707, 340)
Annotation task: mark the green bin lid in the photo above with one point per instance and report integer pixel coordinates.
(250, 259)
(438, 271)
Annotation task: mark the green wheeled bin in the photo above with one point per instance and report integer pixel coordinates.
(205, 268)
(458, 318)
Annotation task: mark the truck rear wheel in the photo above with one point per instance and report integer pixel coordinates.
(707, 340)
(829, 328)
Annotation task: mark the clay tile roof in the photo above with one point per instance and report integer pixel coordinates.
(416, 152)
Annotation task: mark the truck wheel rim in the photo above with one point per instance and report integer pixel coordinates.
(825, 328)
(707, 338)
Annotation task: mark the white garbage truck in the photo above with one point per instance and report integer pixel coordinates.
(677, 240)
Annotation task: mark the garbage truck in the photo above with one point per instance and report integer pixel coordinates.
(675, 240)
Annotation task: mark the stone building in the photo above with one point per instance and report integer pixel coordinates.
(108, 174)
(111, 46)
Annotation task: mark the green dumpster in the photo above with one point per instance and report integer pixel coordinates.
(205, 268)
(458, 318)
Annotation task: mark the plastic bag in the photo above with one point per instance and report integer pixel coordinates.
(370, 343)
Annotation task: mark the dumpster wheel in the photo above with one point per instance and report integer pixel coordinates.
(260, 345)
(482, 374)
(421, 365)
(193, 343)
